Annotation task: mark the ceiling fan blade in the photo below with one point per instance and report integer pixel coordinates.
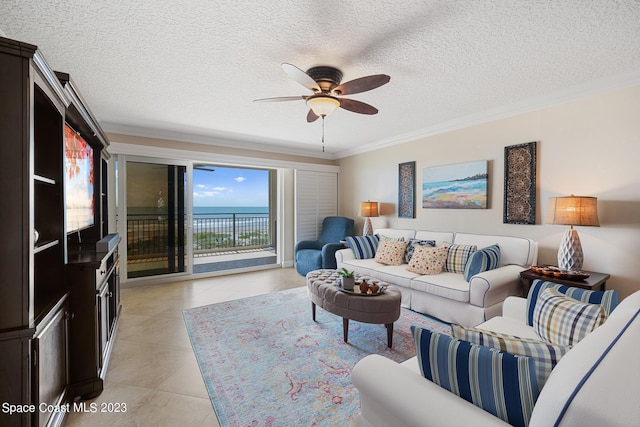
(300, 76)
(362, 84)
(281, 98)
(311, 117)
(357, 106)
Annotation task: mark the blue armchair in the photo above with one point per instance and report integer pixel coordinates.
(312, 255)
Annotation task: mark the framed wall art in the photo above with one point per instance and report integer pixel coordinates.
(407, 190)
(459, 186)
(520, 184)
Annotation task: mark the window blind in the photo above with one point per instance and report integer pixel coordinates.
(316, 197)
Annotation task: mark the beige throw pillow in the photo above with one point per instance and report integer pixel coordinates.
(428, 260)
(390, 252)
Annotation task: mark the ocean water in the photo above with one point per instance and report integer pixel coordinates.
(470, 193)
(228, 211)
(207, 211)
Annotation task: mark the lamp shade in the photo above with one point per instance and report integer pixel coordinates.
(573, 210)
(323, 105)
(368, 209)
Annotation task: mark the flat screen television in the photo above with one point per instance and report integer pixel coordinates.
(78, 177)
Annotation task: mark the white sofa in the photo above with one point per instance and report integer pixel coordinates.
(597, 383)
(448, 296)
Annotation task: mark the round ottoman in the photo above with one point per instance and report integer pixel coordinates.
(380, 309)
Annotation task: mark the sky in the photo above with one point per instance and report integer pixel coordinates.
(450, 172)
(230, 187)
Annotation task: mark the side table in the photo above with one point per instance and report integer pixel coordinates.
(595, 281)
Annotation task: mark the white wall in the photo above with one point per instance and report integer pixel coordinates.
(589, 147)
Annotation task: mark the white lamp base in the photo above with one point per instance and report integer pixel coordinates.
(570, 256)
(367, 230)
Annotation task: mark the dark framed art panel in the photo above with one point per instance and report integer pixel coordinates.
(407, 190)
(520, 184)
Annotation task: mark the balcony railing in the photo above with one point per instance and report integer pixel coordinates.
(212, 232)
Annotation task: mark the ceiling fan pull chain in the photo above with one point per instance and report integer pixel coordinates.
(323, 133)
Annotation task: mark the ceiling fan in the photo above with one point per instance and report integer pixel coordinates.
(325, 82)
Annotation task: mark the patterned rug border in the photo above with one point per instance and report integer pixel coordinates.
(272, 347)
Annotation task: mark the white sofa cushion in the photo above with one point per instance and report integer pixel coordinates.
(508, 326)
(439, 236)
(448, 285)
(395, 233)
(396, 274)
(513, 250)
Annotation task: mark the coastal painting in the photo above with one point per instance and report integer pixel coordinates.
(459, 186)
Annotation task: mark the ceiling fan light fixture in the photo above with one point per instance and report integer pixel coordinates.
(323, 105)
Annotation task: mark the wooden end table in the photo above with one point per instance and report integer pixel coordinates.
(595, 281)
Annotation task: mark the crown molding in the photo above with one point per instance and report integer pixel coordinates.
(593, 88)
(236, 141)
(143, 151)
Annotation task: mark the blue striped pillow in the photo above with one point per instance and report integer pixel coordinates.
(363, 247)
(607, 299)
(546, 354)
(500, 383)
(482, 260)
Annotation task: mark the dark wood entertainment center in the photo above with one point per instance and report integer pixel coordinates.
(59, 291)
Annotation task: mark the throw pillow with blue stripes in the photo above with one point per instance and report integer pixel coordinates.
(500, 383)
(484, 259)
(545, 354)
(607, 299)
(363, 247)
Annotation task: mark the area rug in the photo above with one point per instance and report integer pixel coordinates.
(265, 362)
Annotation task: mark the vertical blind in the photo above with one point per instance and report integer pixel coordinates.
(316, 197)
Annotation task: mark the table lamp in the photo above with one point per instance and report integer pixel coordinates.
(368, 209)
(572, 210)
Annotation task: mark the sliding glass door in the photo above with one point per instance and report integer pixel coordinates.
(156, 220)
(234, 217)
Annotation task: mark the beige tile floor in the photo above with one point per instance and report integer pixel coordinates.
(153, 369)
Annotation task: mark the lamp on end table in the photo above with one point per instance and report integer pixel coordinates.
(572, 210)
(368, 209)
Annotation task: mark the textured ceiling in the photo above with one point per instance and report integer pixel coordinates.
(190, 69)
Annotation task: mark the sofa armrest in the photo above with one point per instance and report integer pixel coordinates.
(344, 255)
(329, 254)
(394, 395)
(515, 308)
(494, 286)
